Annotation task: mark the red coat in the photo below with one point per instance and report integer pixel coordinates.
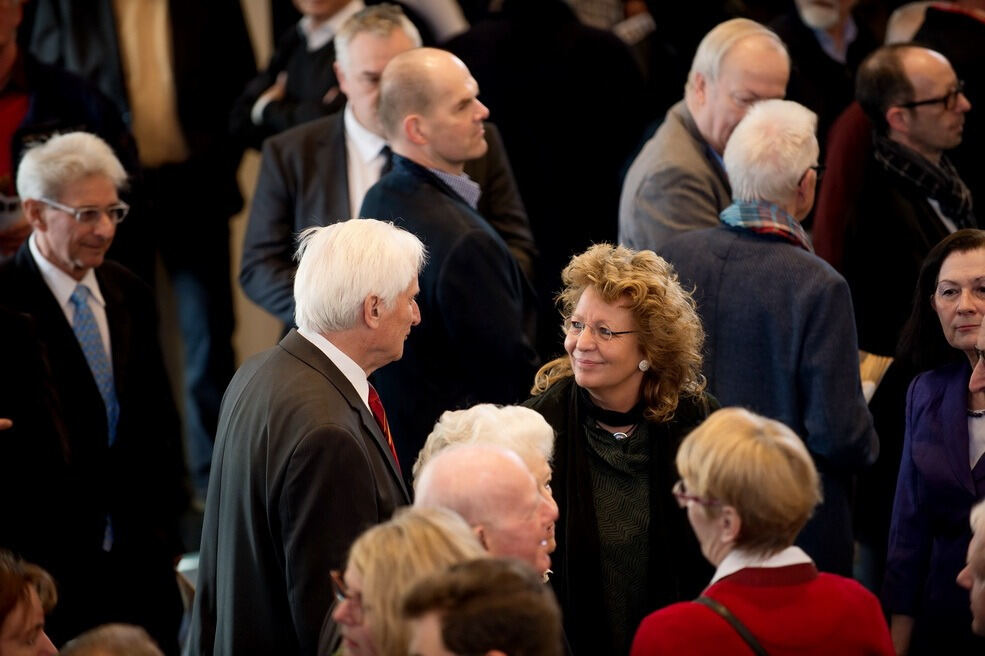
(790, 610)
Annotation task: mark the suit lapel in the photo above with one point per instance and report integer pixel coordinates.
(120, 331)
(333, 164)
(954, 428)
(304, 350)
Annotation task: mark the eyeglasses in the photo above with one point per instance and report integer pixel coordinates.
(817, 168)
(90, 213)
(949, 100)
(680, 493)
(342, 594)
(576, 328)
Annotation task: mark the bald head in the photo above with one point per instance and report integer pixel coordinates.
(478, 482)
(492, 489)
(430, 111)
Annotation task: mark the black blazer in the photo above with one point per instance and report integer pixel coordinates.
(303, 182)
(477, 312)
(299, 470)
(890, 231)
(212, 60)
(139, 481)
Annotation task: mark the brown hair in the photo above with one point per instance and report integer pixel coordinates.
(670, 331)
(490, 604)
(759, 467)
(16, 579)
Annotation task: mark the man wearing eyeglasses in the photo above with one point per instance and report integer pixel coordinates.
(115, 485)
(911, 196)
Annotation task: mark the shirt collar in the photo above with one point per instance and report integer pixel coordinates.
(462, 185)
(849, 34)
(738, 559)
(317, 37)
(60, 283)
(352, 371)
(368, 144)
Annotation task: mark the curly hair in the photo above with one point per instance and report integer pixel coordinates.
(670, 331)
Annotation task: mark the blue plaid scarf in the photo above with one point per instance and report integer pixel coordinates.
(766, 218)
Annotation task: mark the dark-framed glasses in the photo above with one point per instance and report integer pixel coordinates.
(90, 213)
(343, 594)
(817, 168)
(949, 100)
(602, 333)
(681, 494)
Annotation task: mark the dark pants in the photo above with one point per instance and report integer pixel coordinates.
(191, 231)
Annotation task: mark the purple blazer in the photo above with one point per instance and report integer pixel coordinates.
(929, 534)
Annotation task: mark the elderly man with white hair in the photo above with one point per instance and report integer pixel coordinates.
(495, 492)
(304, 458)
(780, 334)
(677, 182)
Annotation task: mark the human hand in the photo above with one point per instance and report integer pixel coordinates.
(277, 90)
(5, 424)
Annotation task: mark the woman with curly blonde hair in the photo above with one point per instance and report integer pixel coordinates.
(622, 399)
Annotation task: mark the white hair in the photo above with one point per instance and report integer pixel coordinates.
(46, 169)
(716, 44)
(479, 482)
(341, 264)
(769, 151)
(519, 429)
(380, 20)
(977, 518)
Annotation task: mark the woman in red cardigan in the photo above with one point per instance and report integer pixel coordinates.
(749, 486)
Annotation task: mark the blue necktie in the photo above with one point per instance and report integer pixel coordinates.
(87, 332)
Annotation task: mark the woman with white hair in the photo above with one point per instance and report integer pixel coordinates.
(519, 429)
(748, 486)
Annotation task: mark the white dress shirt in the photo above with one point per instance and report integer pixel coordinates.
(62, 285)
(364, 161)
(352, 371)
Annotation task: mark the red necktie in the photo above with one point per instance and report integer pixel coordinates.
(379, 414)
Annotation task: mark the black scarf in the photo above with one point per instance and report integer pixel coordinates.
(942, 183)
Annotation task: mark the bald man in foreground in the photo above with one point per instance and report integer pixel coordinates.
(476, 345)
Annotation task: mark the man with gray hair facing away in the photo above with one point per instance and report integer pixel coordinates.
(678, 182)
(304, 459)
(780, 334)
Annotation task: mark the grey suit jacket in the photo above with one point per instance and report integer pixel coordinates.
(303, 182)
(300, 469)
(675, 184)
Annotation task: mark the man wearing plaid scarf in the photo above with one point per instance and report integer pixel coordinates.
(911, 196)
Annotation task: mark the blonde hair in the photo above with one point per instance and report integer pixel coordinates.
(514, 427)
(759, 467)
(392, 557)
(670, 331)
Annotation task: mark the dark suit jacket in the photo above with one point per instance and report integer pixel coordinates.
(212, 60)
(474, 341)
(781, 342)
(929, 535)
(891, 229)
(303, 182)
(300, 469)
(139, 481)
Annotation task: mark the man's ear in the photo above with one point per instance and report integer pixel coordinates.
(34, 213)
(340, 76)
(415, 130)
(699, 85)
(372, 310)
(898, 119)
(480, 533)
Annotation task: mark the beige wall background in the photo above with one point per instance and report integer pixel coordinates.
(255, 329)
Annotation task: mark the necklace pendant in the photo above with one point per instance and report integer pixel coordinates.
(620, 436)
